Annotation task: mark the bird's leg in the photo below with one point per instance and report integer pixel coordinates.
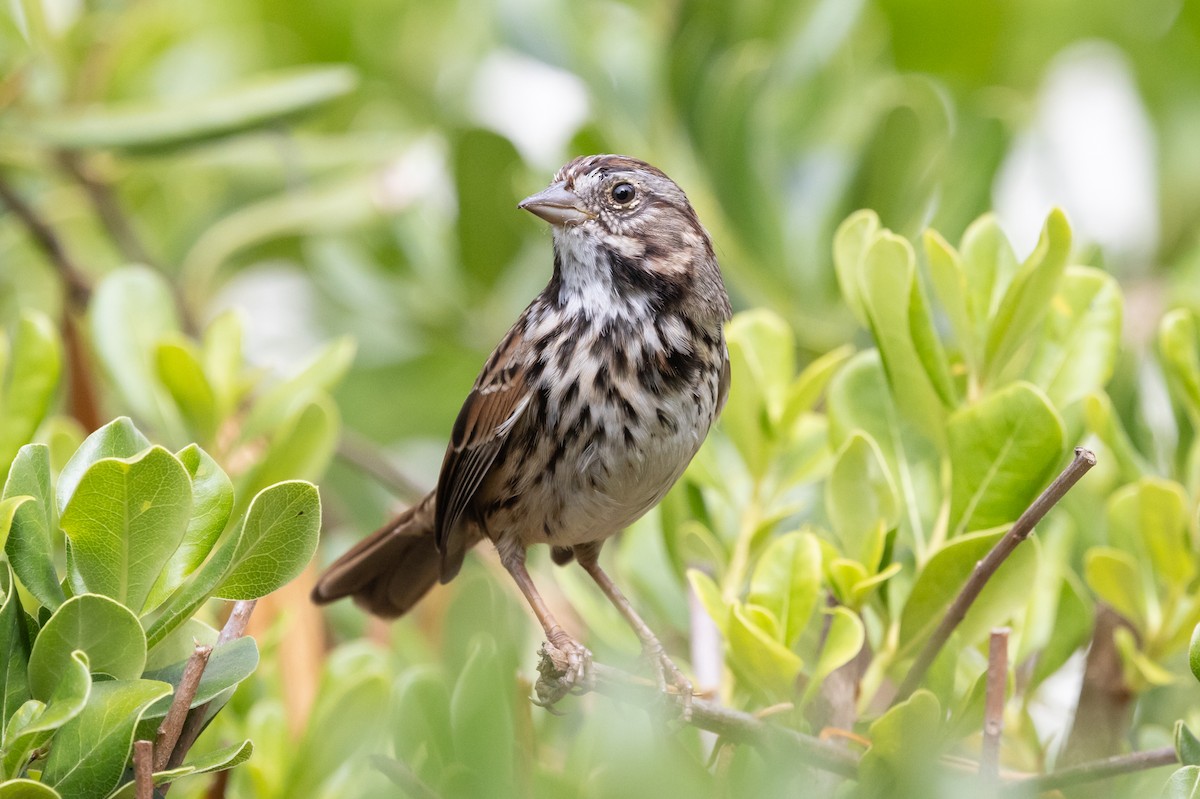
(589, 558)
(569, 667)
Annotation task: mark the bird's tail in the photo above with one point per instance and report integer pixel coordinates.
(390, 570)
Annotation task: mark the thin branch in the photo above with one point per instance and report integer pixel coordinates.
(993, 711)
(235, 627)
(108, 209)
(365, 456)
(1084, 460)
(731, 725)
(79, 287)
(1093, 771)
(172, 723)
(143, 770)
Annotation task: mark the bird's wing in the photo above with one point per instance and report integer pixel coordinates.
(491, 410)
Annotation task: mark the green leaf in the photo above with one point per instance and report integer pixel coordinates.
(1187, 745)
(28, 388)
(212, 503)
(1028, 298)
(1177, 343)
(949, 280)
(300, 448)
(859, 400)
(1194, 653)
(1149, 519)
(276, 542)
(29, 545)
(1003, 451)
(1140, 669)
(944, 575)
(762, 365)
(177, 366)
(787, 582)
(805, 390)
(351, 708)
(480, 717)
(1102, 421)
(222, 361)
(861, 500)
(266, 98)
(843, 641)
(1078, 350)
(105, 630)
(117, 439)
(420, 724)
(125, 520)
(850, 244)
(132, 310)
(486, 166)
(27, 789)
(989, 263)
(912, 357)
(90, 751)
(285, 399)
(756, 654)
(70, 696)
(1183, 784)
(710, 598)
(218, 760)
(904, 749)
(14, 646)
(228, 665)
(1115, 578)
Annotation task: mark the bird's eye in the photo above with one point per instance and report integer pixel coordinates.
(623, 193)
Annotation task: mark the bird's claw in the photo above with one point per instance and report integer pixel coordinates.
(565, 668)
(668, 676)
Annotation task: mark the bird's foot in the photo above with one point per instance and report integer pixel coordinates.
(565, 668)
(671, 681)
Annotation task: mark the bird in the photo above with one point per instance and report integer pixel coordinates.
(585, 414)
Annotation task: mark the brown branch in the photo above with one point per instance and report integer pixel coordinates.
(731, 725)
(172, 723)
(108, 209)
(143, 769)
(993, 711)
(78, 286)
(365, 456)
(1104, 709)
(1093, 771)
(235, 627)
(1084, 460)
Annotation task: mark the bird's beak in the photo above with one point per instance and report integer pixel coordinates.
(558, 205)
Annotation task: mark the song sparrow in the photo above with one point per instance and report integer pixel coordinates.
(586, 413)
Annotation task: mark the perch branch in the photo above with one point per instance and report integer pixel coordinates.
(79, 288)
(143, 769)
(993, 712)
(235, 627)
(1093, 771)
(731, 725)
(1084, 460)
(172, 723)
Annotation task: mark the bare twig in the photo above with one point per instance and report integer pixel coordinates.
(1084, 460)
(1093, 771)
(172, 723)
(79, 288)
(143, 769)
(365, 456)
(235, 627)
(731, 725)
(993, 710)
(104, 201)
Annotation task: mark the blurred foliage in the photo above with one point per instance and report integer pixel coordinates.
(249, 187)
